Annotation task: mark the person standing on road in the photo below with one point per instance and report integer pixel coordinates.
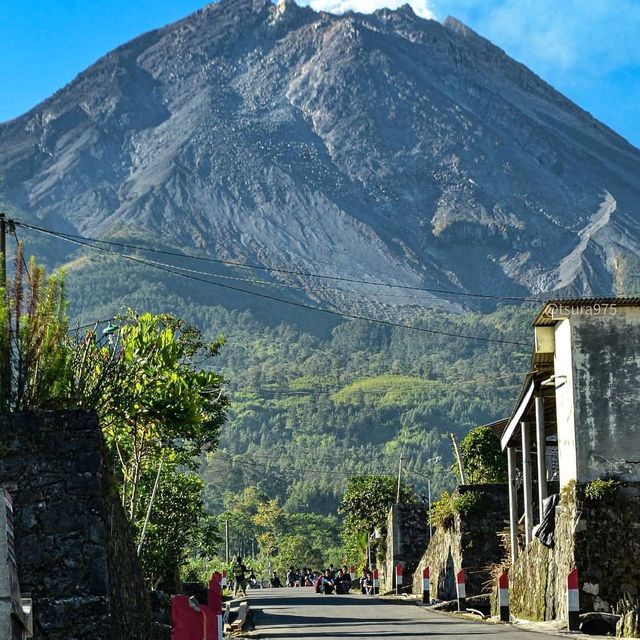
(240, 577)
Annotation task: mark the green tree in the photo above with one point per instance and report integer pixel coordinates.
(158, 408)
(484, 460)
(367, 500)
(270, 523)
(365, 505)
(153, 397)
(296, 551)
(35, 367)
(175, 528)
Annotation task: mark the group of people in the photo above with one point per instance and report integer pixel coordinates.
(294, 578)
(327, 582)
(332, 581)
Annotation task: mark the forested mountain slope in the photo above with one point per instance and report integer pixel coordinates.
(317, 399)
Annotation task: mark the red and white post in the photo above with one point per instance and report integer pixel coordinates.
(399, 578)
(503, 596)
(425, 586)
(376, 583)
(573, 601)
(461, 590)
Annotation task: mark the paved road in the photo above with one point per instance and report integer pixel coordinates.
(300, 613)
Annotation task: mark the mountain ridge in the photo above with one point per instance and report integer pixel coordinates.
(382, 145)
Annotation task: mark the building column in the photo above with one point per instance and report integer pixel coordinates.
(541, 453)
(513, 503)
(527, 484)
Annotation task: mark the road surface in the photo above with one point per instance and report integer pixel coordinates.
(301, 613)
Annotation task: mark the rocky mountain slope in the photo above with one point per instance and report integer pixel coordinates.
(380, 147)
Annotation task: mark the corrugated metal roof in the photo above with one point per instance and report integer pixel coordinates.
(554, 310)
(498, 426)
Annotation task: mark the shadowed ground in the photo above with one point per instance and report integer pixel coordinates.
(300, 613)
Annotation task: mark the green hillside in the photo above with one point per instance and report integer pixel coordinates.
(316, 398)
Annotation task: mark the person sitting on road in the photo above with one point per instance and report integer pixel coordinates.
(239, 576)
(342, 582)
(366, 582)
(317, 582)
(275, 581)
(347, 575)
(327, 585)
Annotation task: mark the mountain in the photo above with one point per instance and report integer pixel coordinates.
(376, 147)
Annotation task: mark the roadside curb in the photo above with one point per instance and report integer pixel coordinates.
(548, 628)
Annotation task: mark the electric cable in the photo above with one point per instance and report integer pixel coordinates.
(172, 270)
(305, 274)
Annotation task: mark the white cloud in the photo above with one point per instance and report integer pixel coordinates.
(420, 7)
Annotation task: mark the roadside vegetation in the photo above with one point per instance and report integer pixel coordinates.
(149, 379)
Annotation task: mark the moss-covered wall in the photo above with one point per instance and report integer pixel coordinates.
(471, 543)
(601, 537)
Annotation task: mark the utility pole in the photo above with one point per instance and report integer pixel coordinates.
(429, 499)
(399, 477)
(456, 450)
(226, 540)
(5, 356)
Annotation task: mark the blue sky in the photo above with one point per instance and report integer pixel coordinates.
(588, 49)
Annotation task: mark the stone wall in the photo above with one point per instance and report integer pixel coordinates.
(598, 536)
(74, 551)
(472, 543)
(407, 537)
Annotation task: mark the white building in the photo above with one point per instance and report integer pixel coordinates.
(579, 407)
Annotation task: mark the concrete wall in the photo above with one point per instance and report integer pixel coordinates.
(606, 365)
(15, 618)
(472, 544)
(74, 549)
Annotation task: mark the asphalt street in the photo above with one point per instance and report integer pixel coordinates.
(301, 613)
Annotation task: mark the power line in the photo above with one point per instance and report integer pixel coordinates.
(171, 269)
(295, 272)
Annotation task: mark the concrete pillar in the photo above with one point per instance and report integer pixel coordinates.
(527, 483)
(513, 503)
(541, 453)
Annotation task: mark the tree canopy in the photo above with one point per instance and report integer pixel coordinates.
(484, 460)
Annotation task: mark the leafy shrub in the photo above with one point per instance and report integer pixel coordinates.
(601, 489)
(468, 503)
(442, 512)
